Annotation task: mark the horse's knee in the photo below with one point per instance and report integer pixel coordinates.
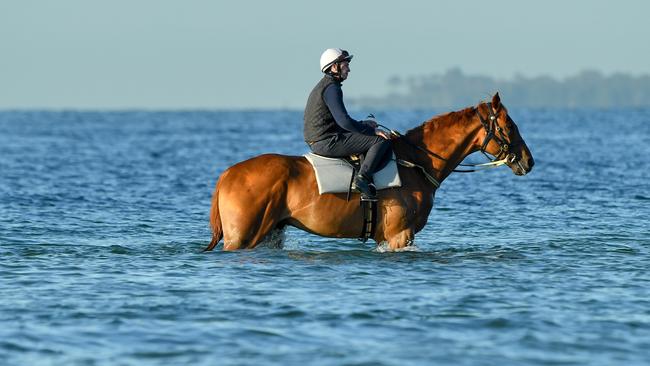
(401, 240)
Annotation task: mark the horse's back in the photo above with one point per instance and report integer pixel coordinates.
(265, 168)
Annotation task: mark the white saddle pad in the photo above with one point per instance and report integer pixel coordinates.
(334, 175)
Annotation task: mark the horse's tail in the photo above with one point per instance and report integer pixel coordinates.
(215, 221)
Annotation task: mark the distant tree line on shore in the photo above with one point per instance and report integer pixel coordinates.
(454, 89)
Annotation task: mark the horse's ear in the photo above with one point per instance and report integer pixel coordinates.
(496, 101)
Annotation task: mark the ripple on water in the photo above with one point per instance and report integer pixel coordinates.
(119, 249)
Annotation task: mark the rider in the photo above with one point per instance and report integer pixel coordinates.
(329, 130)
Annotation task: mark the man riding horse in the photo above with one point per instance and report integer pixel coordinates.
(248, 206)
(331, 132)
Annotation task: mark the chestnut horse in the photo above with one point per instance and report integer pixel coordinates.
(265, 193)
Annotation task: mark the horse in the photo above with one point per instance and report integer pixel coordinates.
(258, 196)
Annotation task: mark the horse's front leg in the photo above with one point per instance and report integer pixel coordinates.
(398, 218)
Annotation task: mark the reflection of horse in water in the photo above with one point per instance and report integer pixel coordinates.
(259, 195)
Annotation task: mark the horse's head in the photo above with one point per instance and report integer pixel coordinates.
(501, 137)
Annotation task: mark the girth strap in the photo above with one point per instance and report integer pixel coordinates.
(369, 209)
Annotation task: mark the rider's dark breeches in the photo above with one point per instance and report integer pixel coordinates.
(346, 144)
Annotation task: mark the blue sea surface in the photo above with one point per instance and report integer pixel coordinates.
(103, 216)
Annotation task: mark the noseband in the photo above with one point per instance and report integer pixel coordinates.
(495, 132)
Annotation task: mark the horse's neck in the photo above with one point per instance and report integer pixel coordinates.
(452, 137)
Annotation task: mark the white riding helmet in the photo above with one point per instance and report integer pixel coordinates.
(332, 56)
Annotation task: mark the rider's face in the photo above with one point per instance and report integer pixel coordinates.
(344, 71)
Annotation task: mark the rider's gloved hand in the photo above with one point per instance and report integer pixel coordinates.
(384, 134)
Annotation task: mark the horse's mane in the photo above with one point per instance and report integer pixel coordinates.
(446, 118)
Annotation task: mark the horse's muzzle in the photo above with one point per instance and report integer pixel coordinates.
(521, 166)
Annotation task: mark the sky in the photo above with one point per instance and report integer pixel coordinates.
(163, 54)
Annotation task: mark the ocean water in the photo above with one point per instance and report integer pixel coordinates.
(103, 216)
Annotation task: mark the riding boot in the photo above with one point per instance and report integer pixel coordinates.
(363, 185)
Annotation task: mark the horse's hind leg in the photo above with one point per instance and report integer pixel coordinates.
(246, 235)
(252, 200)
(246, 231)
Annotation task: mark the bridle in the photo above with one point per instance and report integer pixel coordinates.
(495, 132)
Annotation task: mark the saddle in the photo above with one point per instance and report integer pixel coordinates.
(334, 175)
